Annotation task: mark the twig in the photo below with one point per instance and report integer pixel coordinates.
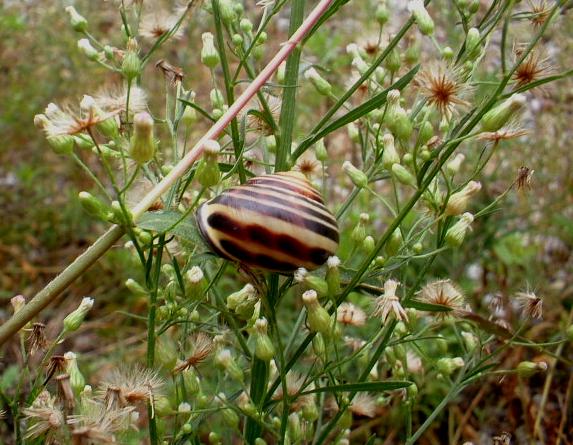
(104, 243)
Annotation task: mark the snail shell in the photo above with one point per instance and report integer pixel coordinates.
(274, 222)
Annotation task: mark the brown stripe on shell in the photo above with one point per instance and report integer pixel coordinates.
(243, 233)
(258, 193)
(283, 183)
(292, 217)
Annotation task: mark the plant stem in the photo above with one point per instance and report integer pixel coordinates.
(287, 118)
(92, 254)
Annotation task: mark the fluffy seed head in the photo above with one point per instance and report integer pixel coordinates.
(349, 314)
(445, 293)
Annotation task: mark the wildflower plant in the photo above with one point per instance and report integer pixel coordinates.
(393, 135)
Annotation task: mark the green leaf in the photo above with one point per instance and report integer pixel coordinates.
(376, 102)
(513, 250)
(169, 221)
(388, 385)
(427, 307)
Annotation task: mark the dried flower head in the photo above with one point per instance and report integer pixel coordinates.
(444, 293)
(363, 405)
(258, 121)
(539, 12)
(349, 314)
(503, 134)
(531, 304)
(56, 365)
(354, 343)
(443, 88)
(45, 417)
(96, 423)
(534, 67)
(157, 23)
(389, 304)
(113, 99)
(308, 165)
(65, 392)
(37, 338)
(135, 385)
(202, 347)
(295, 383)
(524, 177)
(56, 121)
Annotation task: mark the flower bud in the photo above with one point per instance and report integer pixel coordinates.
(77, 380)
(295, 428)
(382, 14)
(227, 11)
(78, 22)
(318, 284)
(403, 175)
(208, 173)
(75, 319)
(131, 65)
(358, 177)
(394, 243)
(195, 283)
(246, 25)
(320, 151)
(281, 72)
(142, 143)
(500, 115)
(87, 49)
(455, 164)
(368, 244)
(259, 441)
(319, 82)
(397, 119)
(421, 16)
(93, 206)
(243, 302)
(425, 133)
(458, 202)
(393, 62)
(217, 99)
(471, 342)
(456, 234)
(353, 132)
(359, 232)
(226, 361)
(412, 54)
(191, 381)
(473, 40)
(447, 53)
(447, 366)
(390, 156)
(333, 275)
(310, 411)
(264, 349)
(319, 346)
(360, 65)
(237, 40)
(62, 144)
(209, 54)
(317, 317)
(526, 369)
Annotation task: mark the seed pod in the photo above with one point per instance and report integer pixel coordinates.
(273, 222)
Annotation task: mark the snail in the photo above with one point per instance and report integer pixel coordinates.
(276, 222)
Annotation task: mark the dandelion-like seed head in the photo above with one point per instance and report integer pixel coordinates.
(524, 177)
(534, 67)
(44, 417)
(444, 293)
(135, 385)
(202, 347)
(531, 304)
(257, 122)
(503, 134)
(539, 12)
(98, 423)
(350, 314)
(295, 382)
(363, 405)
(443, 88)
(308, 165)
(113, 99)
(155, 24)
(37, 338)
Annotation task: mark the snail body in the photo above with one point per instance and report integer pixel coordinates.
(275, 222)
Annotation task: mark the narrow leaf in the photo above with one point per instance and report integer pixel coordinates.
(388, 385)
(427, 307)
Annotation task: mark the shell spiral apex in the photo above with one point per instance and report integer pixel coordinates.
(276, 222)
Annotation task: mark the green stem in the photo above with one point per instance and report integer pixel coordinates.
(287, 117)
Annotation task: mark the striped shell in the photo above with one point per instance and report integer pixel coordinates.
(274, 222)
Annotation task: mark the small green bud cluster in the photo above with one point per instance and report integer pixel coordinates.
(320, 83)
(396, 117)
(358, 177)
(209, 54)
(75, 319)
(317, 317)
(421, 16)
(243, 301)
(264, 349)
